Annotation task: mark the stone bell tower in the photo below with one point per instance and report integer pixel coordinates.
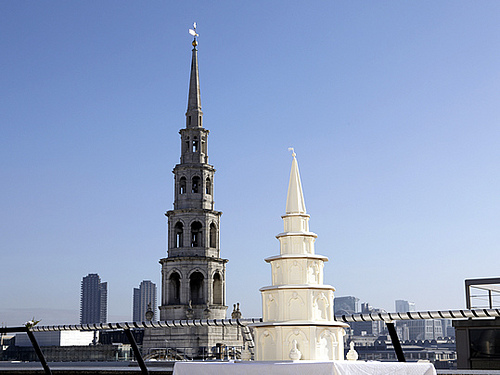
(193, 273)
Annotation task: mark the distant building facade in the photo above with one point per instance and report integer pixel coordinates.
(425, 329)
(93, 300)
(144, 299)
(403, 306)
(421, 339)
(346, 305)
(429, 329)
(441, 353)
(57, 338)
(369, 328)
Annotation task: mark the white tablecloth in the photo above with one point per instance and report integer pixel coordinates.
(303, 367)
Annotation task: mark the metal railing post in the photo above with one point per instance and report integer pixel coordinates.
(136, 350)
(395, 341)
(38, 352)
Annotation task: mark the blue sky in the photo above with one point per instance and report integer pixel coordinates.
(392, 107)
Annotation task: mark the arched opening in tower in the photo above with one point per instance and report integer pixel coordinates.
(217, 289)
(196, 234)
(213, 235)
(182, 185)
(174, 288)
(196, 288)
(208, 186)
(195, 187)
(179, 231)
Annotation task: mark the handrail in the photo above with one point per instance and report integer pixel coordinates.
(158, 324)
(388, 318)
(126, 327)
(385, 316)
(420, 315)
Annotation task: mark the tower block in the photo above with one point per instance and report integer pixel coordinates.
(297, 309)
(193, 273)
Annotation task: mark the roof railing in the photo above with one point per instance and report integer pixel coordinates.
(388, 318)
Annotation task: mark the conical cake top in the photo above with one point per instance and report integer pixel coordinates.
(295, 199)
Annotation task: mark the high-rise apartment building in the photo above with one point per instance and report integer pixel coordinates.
(403, 306)
(93, 300)
(144, 299)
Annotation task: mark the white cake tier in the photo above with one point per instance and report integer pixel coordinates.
(297, 302)
(314, 341)
(296, 223)
(297, 269)
(297, 242)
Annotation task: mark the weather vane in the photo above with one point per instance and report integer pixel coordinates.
(293, 151)
(194, 33)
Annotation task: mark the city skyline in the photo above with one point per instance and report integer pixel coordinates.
(392, 109)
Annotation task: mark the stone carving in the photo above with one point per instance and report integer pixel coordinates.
(236, 314)
(189, 311)
(206, 312)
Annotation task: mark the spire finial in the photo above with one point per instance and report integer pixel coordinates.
(194, 34)
(293, 151)
(194, 113)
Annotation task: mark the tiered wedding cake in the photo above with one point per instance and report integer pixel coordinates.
(297, 310)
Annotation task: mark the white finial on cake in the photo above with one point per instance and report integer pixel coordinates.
(295, 199)
(352, 354)
(295, 353)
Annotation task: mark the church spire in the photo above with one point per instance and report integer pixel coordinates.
(193, 272)
(295, 199)
(194, 114)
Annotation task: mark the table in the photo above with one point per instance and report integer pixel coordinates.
(304, 367)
